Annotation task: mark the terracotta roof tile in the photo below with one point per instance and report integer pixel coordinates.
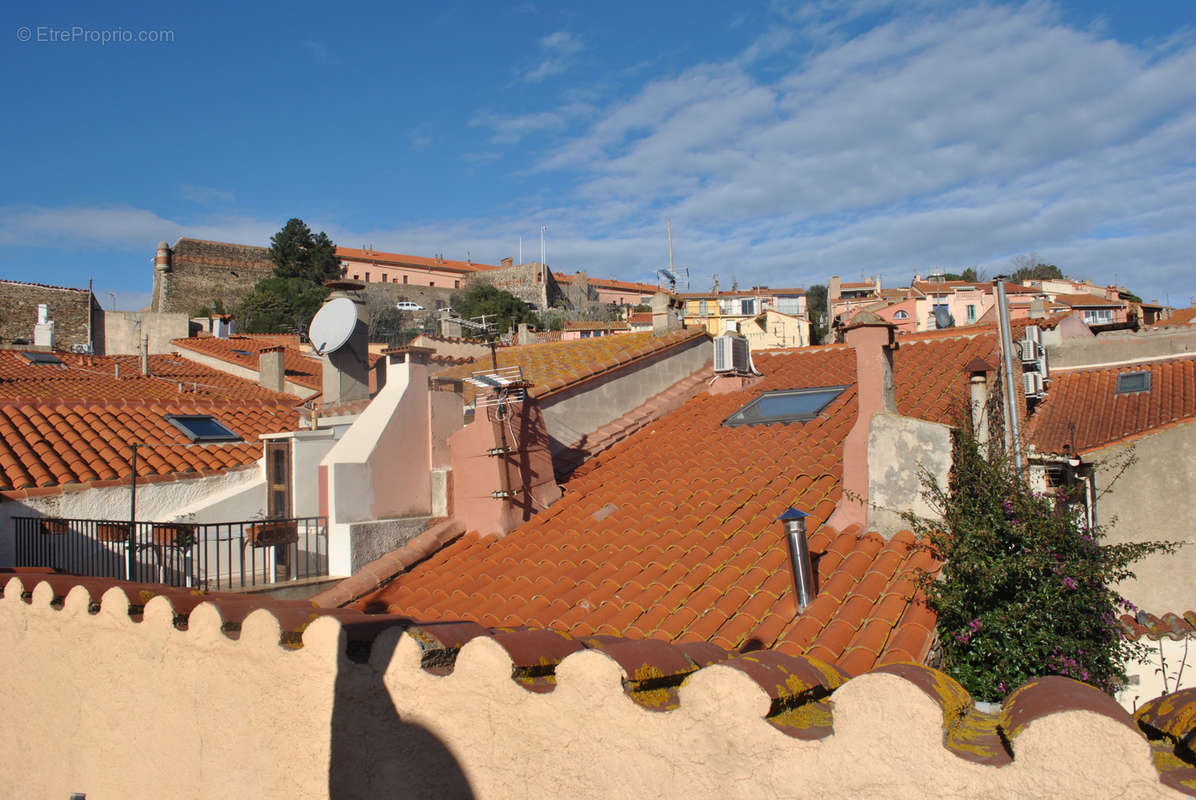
(1083, 412)
(692, 550)
(74, 422)
(554, 366)
(244, 350)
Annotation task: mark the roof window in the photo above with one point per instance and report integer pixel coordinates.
(785, 405)
(202, 428)
(243, 352)
(41, 357)
(1133, 382)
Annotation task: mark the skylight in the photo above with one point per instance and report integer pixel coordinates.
(243, 352)
(41, 358)
(202, 428)
(1133, 382)
(786, 405)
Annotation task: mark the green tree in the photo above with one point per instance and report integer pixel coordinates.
(970, 275)
(501, 307)
(1026, 589)
(298, 253)
(280, 305)
(287, 301)
(1029, 268)
(816, 308)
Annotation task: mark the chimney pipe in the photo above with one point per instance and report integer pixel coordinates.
(145, 355)
(799, 557)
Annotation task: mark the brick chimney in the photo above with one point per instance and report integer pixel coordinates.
(873, 340)
(271, 373)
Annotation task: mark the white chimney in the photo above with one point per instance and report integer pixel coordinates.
(43, 331)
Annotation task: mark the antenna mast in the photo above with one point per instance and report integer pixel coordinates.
(669, 224)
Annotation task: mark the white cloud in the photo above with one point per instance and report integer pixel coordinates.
(556, 50)
(120, 227)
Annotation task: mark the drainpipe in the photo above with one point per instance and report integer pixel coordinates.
(1012, 433)
(799, 557)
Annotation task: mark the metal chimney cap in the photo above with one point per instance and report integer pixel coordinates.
(792, 514)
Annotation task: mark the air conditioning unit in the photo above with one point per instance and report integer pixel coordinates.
(1033, 383)
(1030, 350)
(731, 354)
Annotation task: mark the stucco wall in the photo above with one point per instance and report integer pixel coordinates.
(374, 539)
(117, 708)
(1120, 346)
(123, 331)
(575, 413)
(1175, 657)
(899, 448)
(1153, 499)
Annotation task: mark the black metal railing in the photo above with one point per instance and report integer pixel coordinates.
(212, 556)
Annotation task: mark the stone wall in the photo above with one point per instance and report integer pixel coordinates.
(203, 272)
(900, 450)
(166, 704)
(74, 311)
(529, 282)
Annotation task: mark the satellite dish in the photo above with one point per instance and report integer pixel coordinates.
(332, 325)
(942, 317)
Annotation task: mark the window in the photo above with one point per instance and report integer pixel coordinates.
(367, 277)
(1098, 316)
(384, 277)
(202, 428)
(747, 307)
(787, 405)
(899, 314)
(404, 279)
(243, 352)
(456, 284)
(971, 313)
(703, 309)
(1133, 382)
(41, 358)
(431, 283)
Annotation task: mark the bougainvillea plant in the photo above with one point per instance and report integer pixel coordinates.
(1027, 588)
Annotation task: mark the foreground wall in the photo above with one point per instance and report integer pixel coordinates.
(1153, 500)
(117, 708)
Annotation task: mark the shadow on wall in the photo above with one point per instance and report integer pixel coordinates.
(374, 752)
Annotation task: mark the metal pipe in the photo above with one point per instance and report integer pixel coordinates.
(799, 557)
(1012, 433)
(132, 549)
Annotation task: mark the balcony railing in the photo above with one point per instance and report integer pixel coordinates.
(211, 556)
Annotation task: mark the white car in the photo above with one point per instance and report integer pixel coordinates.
(404, 305)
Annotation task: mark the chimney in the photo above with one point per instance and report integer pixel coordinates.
(525, 334)
(978, 368)
(664, 319)
(832, 291)
(873, 340)
(222, 326)
(346, 369)
(43, 331)
(271, 373)
(876, 282)
(799, 557)
(144, 355)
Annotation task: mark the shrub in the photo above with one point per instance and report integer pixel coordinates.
(1027, 588)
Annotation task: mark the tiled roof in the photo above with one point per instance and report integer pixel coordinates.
(609, 283)
(553, 366)
(1087, 301)
(304, 370)
(51, 443)
(1087, 400)
(929, 373)
(1181, 316)
(640, 318)
(83, 377)
(46, 286)
(1168, 626)
(401, 259)
(672, 534)
(759, 291)
(598, 326)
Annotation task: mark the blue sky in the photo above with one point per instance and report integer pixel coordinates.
(786, 141)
